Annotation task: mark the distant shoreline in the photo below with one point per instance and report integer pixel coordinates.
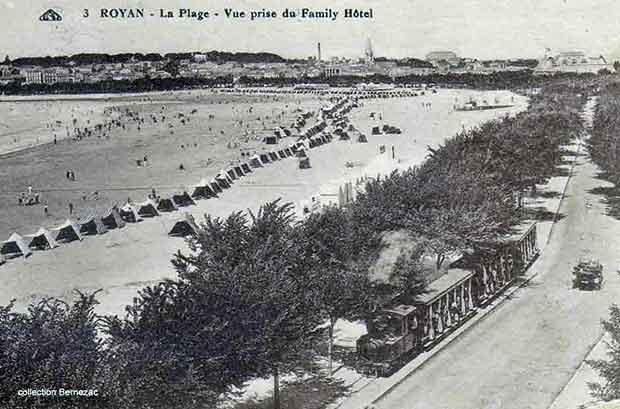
(87, 96)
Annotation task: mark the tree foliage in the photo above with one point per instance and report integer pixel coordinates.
(609, 370)
(339, 260)
(53, 345)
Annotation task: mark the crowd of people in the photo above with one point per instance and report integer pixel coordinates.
(29, 197)
(242, 126)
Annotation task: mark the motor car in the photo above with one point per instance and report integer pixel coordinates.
(588, 275)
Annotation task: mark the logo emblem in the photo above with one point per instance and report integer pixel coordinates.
(50, 15)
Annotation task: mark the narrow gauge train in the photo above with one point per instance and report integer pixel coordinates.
(401, 331)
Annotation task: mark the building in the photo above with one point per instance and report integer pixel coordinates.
(9, 74)
(354, 70)
(571, 61)
(33, 76)
(403, 71)
(331, 71)
(439, 58)
(369, 55)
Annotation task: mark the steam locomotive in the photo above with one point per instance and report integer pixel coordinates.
(401, 331)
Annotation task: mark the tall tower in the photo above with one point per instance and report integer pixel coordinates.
(318, 46)
(368, 53)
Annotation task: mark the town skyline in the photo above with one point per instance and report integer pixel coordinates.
(401, 30)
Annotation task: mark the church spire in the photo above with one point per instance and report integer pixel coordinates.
(368, 52)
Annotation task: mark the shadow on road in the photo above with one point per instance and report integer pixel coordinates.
(545, 195)
(524, 283)
(541, 214)
(610, 198)
(562, 172)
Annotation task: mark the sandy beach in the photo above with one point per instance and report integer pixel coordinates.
(122, 261)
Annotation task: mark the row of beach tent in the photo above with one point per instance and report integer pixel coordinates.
(70, 230)
(116, 217)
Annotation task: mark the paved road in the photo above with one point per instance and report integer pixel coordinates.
(523, 354)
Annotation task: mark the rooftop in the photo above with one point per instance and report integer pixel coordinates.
(438, 287)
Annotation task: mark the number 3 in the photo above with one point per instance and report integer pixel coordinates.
(85, 13)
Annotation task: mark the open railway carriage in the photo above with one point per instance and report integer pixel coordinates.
(400, 331)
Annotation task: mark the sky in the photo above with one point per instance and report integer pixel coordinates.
(484, 29)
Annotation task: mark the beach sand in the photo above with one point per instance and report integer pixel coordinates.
(122, 261)
(108, 165)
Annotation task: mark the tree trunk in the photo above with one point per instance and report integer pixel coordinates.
(439, 261)
(276, 388)
(330, 347)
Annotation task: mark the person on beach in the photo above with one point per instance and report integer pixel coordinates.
(45, 210)
(70, 208)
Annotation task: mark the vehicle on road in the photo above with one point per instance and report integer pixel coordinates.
(404, 327)
(588, 275)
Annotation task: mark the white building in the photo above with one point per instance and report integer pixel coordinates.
(438, 57)
(571, 61)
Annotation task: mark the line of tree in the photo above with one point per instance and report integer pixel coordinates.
(250, 301)
(98, 58)
(116, 86)
(256, 292)
(496, 80)
(608, 370)
(469, 191)
(523, 79)
(604, 150)
(604, 144)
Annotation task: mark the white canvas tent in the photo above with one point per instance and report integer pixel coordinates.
(239, 171)
(92, 224)
(15, 246)
(224, 175)
(147, 209)
(222, 182)
(184, 227)
(231, 173)
(246, 168)
(130, 214)
(256, 162)
(264, 158)
(112, 218)
(42, 240)
(215, 186)
(166, 204)
(68, 231)
(183, 199)
(203, 190)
